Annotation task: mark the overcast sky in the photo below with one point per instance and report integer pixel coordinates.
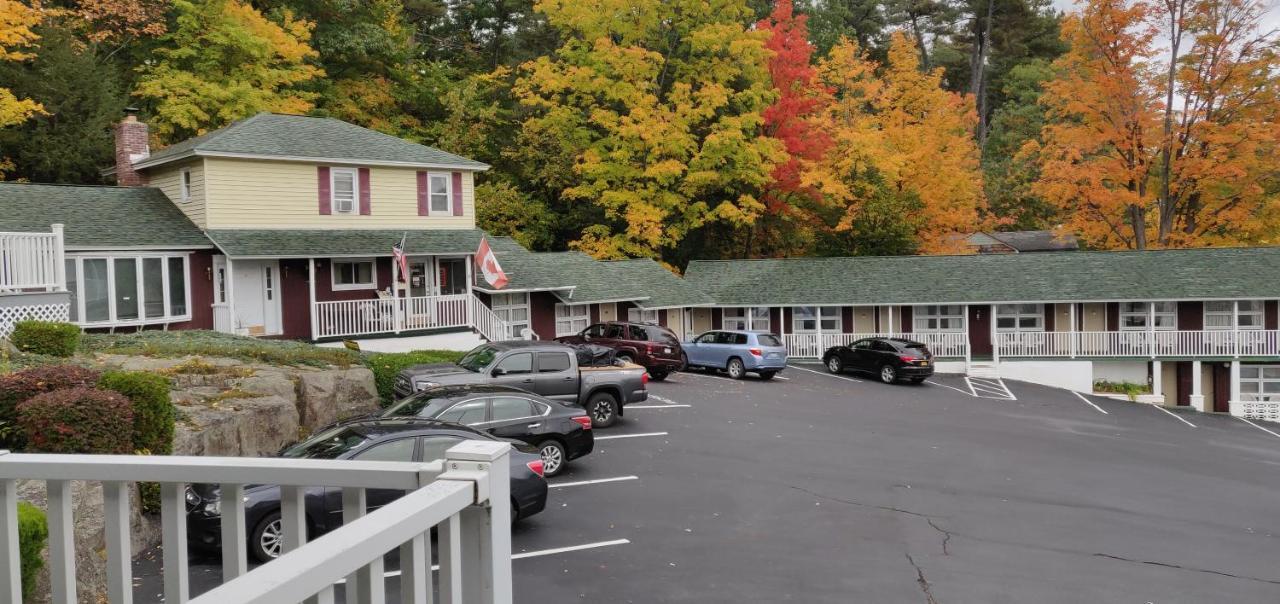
(1272, 19)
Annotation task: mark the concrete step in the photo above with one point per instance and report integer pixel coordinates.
(984, 369)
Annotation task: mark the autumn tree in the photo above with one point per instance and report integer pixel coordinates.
(16, 22)
(226, 61)
(1126, 170)
(902, 146)
(649, 116)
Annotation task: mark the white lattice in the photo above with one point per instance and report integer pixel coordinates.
(9, 315)
(1264, 410)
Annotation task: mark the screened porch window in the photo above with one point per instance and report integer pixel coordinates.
(1020, 317)
(513, 309)
(811, 319)
(1134, 315)
(1218, 314)
(571, 318)
(642, 315)
(354, 274)
(945, 317)
(128, 289)
(1260, 382)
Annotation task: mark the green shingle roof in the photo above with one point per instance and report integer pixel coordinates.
(650, 283)
(302, 243)
(99, 217)
(1220, 273)
(300, 137)
(537, 271)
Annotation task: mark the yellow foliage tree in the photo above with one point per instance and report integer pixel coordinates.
(16, 21)
(896, 132)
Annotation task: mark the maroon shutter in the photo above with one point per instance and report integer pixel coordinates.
(322, 173)
(457, 193)
(424, 197)
(366, 203)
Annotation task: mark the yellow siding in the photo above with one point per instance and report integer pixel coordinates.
(274, 194)
(609, 311)
(1095, 316)
(168, 178)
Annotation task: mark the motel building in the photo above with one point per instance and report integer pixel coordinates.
(282, 226)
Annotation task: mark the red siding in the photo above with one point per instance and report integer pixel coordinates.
(201, 302)
(1191, 316)
(324, 282)
(775, 320)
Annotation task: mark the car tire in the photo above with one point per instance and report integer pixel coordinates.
(888, 374)
(684, 362)
(515, 513)
(767, 375)
(736, 369)
(658, 375)
(602, 408)
(554, 457)
(834, 364)
(625, 358)
(267, 539)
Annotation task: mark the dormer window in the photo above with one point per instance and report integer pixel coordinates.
(440, 204)
(342, 189)
(186, 184)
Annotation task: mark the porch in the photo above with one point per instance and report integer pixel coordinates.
(32, 282)
(1149, 344)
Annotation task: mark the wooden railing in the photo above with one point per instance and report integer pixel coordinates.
(32, 261)
(1219, 343)
(343, 318)
(949, 344)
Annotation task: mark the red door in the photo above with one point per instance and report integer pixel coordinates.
(1221, 388)
(980, 330)
(1183, 371)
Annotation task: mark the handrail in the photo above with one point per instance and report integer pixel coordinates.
(487, 322)
(1148, 344)
(33, 260)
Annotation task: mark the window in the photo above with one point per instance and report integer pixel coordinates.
(396, 450)
(520, 362)
(135, 289)
(571, 318)
(944, 317)
(760, 318)
(1020, 317)
(768, 340)
(506, 408)
(753, 318)
(186, 184)
(342, 190)
(513, 309)
(438, 187)
(735, 318)
(642, 315)
(1133, 315)
(434, 447)
(1218, 314)
(811, 318)
(354, 274)
(552, 362)
(469, 412)
(1260, 382)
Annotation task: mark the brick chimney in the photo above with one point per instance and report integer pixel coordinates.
(131, 146)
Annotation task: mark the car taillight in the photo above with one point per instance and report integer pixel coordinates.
(756, 352)
(644, 379)
(584, 421)
(536, 466)
(907, 359)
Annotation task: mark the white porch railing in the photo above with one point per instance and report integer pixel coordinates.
(466, 496)
(951, 344)
(488, 323)
(341, 318)
(1221, 343)
(222, 318)
(32, 261)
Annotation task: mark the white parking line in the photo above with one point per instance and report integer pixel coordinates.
(951, 387)
(561, 485)
(613, 436)
(993, 386)
(1174, 415)
(778, 377)
(830, 375)
(670, 406)
(662, 399)
(1258, 427)
(1081, 397)
(522, 555)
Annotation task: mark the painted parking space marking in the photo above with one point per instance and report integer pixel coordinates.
(668, 406)
(989, 388)
(964, 392)
(533, 554)
(642, 434)
(1091, 403)
(1258, 427)
(830, 375)
(1174, 415)
(561, 485)
(660, 399)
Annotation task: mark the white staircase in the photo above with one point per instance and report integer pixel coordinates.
(983, 369)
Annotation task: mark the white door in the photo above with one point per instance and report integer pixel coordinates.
(256, 289)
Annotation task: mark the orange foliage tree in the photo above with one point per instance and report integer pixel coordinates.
(1127, 171)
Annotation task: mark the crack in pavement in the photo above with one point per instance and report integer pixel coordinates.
(861, 504)
(946, 535)
(924, 583)
(1187, 568)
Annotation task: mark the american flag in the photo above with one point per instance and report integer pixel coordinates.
(397, 251)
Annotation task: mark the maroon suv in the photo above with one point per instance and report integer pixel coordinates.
(646, 344)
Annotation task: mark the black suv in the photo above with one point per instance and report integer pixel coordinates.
(890, 358)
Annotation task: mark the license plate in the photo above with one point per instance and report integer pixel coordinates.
(924, 362)
(773, 355)
(666, 351)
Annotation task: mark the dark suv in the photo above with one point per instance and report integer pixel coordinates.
(646, 344)
(890, 358)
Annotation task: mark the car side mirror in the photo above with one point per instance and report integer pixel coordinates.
(498, 371)
(586, 337)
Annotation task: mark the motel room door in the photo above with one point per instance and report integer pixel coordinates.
(979, 325)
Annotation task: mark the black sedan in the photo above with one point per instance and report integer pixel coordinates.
(889, 358)
(365, 440)
(560, 431)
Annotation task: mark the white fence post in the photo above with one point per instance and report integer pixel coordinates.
(486, 526)
(59, 258)
(10, 561)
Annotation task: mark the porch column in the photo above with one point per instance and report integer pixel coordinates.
(471, 320)
(311, 296)
(1071, 329)
(968, 349)
(1235, 332)
(396, 319)
(1157, 378)
(1151, 328)
(60, 259)
(1197, 394)
(995, 340)
(231, 297)
(891, 330)
(1235, 385)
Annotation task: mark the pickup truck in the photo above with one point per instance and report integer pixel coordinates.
(547, 368)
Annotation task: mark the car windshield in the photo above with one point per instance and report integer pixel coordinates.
(768, 339)
(327, 445)
(412, 406)
(479, 358)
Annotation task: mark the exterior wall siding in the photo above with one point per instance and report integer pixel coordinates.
(200, 265)
(243, 193)
(1094, 317)
(324, 281)
(168, 179)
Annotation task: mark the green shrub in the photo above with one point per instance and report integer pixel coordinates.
(153, 420)
(46, 337)
(385, 366)
(33, 533)
(77, 420)
(22, 385)
(188, 342)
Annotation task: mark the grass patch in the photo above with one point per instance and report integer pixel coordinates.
(234, 393)
(214, 344)
(385, 366)
(1127, 388)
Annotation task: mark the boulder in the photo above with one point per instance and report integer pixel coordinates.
(329, 395)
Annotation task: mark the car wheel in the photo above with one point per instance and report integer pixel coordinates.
(553, 458)
(657, 375)
(515, 512)
(767, 375)
(267, 540)
(603, 410)
(736, 369)
(834, 364)
(625, 358)
(684, 362)
(888, 374)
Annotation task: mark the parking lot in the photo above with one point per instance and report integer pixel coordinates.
(822, 488)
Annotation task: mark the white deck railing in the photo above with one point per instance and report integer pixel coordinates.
(488, 323)
(466, 496)
(341, 318)
(1219, 343)
(950, 344)
(32, 261)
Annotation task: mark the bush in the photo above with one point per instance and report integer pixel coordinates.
(153, 420)
(188, 342)
(33, 533)
(46, 337)
(78, 420)
(20, 386)
(385, 366)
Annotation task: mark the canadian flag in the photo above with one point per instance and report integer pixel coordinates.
(487, 262)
